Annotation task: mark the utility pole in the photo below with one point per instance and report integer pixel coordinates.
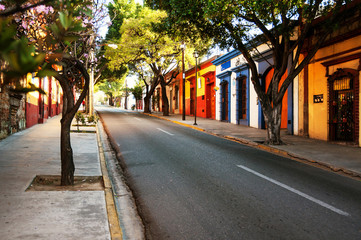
(183, 46)
(195, 54)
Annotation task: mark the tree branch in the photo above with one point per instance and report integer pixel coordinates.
(19, 9)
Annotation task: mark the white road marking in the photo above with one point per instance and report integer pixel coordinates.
(321, 203)
(165, 131)
(137, 118)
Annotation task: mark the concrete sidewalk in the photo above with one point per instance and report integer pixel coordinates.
(49, 214)
(338, 158)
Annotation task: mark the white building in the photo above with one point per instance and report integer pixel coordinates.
(236, 99)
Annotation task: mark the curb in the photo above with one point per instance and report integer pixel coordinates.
(135, 227)
(273, 150)
(113, 219)
(180, 123)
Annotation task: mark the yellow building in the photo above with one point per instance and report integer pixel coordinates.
(329, 90)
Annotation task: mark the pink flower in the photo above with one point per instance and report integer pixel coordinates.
(24, 24)
(2, 7)
(44, 9)
(40, 8)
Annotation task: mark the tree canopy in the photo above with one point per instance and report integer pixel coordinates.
(143, 46)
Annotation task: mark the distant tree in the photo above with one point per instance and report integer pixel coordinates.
(137, 91)
(112, 89)
(284, 26)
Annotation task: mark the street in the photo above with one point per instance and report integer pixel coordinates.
(192, 185)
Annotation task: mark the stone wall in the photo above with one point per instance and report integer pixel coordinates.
(12, 112)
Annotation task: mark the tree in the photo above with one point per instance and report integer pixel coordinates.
(286, 27)
(137, 92)
(52, 40)
(112, 89)
(147, 49)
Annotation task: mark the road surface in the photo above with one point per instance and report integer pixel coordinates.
(192, 185)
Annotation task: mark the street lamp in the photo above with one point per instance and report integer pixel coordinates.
(183, 46)
(195, 54)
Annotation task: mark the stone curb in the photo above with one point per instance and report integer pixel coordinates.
(113, 218)
(273, 150)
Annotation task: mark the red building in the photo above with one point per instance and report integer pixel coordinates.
(204, 92)
(40, 107)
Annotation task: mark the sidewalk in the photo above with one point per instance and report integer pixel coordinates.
(49, 214)
(338, 158)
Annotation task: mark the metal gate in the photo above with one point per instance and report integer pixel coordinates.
(342, 106)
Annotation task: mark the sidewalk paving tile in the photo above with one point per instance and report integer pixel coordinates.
(48, 214)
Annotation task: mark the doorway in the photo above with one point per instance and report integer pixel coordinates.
(224, 101)
(192, 102)
(210, 101)
(242, 100)
(343, 120)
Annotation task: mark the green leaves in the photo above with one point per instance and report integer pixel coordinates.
(66, 29)
(66, 20)
(22, 58)
(7, 34)
(46, 72)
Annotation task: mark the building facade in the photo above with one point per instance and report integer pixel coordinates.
(236, 99)
(23, 110)
(40, 107)
(329, 88)
(203, 90)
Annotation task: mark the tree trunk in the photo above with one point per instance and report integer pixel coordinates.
(273, 121)
(165, 102)
(147, 103)
(147, 99)
(70, 108)
(111, 102)
(67, 162)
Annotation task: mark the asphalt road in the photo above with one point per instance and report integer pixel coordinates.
(192, 185)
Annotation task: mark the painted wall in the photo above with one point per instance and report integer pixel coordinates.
(228, 68)
(32, 103)
(218, 96)
(253, 102)
(40, 107)
(206, 69)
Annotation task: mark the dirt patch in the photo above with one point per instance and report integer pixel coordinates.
(76, 125)
(52, 183)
